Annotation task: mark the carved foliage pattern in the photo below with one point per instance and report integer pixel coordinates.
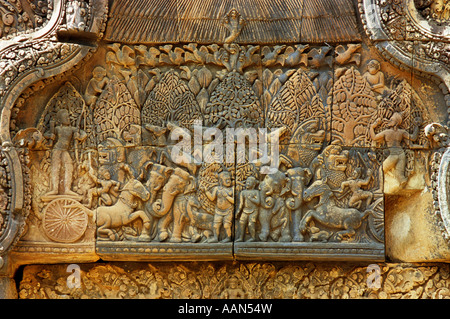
(23, 15)
(238, 281)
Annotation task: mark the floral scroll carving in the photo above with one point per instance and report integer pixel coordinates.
(246, 281)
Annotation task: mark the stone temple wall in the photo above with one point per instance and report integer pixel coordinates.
(238, 149)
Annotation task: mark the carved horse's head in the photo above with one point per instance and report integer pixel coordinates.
(135, 188)
(317, 189)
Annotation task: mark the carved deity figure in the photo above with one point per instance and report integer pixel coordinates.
(233, 291)
(95, 85)
(223, 194)
(375, 77)
(76, 15)
(355, 184)
(106, 192)
(249, 200)
(61, 162)
(234, 24)
(393, 137)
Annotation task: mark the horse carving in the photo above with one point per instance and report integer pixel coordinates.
(329, 214)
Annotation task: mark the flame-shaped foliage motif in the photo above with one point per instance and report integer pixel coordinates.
(354, 107)
(115, 111)
(296, 102)
(171, 100)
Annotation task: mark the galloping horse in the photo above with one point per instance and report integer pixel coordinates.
(327, 213)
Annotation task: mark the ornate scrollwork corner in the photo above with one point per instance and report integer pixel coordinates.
(32, 56)
(439, 169)
(401, 31)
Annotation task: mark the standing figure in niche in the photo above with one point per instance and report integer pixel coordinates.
(393, 137)
(76, 14)
(249, 200)
(233, 290)
(61, 167)
(375, 77)
(224, 195)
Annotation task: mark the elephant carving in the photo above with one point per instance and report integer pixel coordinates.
(172, 206)
(299, 178)
(273, 215)
(154, 176)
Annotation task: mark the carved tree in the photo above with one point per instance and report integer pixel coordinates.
(353, 107)
(233, 104)
(296, 102)
(115, 112)
(171, 100)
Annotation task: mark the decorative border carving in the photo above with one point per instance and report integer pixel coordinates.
(398, 32)
(26, 59)
(243, 280)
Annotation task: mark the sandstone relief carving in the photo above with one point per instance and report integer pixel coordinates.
(437, 10)
(21, 16)
(243, 281)
(144, 160)
(107, 154)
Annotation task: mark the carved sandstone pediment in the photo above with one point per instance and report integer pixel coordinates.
(239, 130)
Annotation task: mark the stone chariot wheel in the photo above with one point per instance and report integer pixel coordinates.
(64, 220)
(376, 220)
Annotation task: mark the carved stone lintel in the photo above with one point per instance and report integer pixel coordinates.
(226, 280)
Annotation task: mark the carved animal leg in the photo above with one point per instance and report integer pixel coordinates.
(286, 232)
(163, 226)
(296, 218)
(264, 220)
(179, 222)
(349, 226)
(350, 232)
(145, 235)
(104, 233)
(285, 226)
(304, 224)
